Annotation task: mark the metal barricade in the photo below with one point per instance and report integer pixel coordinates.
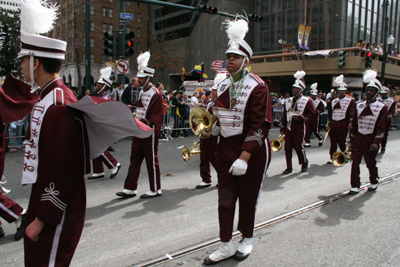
(175, 123)
(323, 120)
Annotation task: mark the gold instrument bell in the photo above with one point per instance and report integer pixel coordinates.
(187, 153)
(340, 158)
(201, 122)
(276, 144)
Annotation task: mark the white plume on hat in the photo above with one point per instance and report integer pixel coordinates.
(218, 79)
(299, 74)
(105, 74)
(299, 83)
(340, 83)
(236, 29)
(369, 78)
(314, 90)
(143, 70)
(38, 16)
(143, 59)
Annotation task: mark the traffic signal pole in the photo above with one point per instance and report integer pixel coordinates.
(120, 53)
(88, 76)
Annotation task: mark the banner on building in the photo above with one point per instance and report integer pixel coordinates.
(301, 35)
(307, 37)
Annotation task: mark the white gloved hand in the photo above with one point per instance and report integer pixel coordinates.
(238, 168)
(216, 130)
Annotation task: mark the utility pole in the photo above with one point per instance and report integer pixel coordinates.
(88, 76)
(385, 33)
(120, 48)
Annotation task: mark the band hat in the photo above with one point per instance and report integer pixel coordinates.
(105, 75)
(369, 78)
(314, 90)
(384, 90)
(298, 83)
(38, 17)
(143, 61)
(342, 86)
(236, 31)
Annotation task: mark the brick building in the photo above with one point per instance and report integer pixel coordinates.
(104, 16)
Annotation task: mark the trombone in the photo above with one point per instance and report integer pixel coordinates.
(276, 144)
(340, 158)
(187, 153)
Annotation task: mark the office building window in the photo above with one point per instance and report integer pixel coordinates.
(104, 12)
(110, 27)
(104, 27)
(110, 12)
(138, 32)
(138, 17)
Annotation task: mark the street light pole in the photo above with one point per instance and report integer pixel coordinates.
(385, 33)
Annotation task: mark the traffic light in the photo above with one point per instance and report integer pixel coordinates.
(341, 59)
(368, 60)
(207, 9)
(129, 44)
(109, 43)
(256, 18)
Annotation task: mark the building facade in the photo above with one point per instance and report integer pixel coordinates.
(11, 4)
(104, 17)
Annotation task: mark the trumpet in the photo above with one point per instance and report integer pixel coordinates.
(276, 144)
(201, 122)
(187, 153)
(340, 158)
(3, 190)
(326, 136)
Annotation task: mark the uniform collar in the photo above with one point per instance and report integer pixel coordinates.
(57, 82)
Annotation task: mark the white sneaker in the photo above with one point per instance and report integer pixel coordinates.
(203, 185)
(372, 187)
(96, 176)
(225, 251)
(115, 170)
(245, 245)
(307, 144)
(129, 192)
(150, 194)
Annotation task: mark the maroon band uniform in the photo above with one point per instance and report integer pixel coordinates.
(369, 127)
(149, 110)
(56, 159)
(244, 124)
(312, 125)
(340, 115)
(303, 109)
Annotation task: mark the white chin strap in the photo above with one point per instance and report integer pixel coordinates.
(35, 87)
(241, 66)
(299, 94)
(104, 86)
(147, 81)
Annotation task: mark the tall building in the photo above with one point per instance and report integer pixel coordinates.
(11, 4)
(104, 17)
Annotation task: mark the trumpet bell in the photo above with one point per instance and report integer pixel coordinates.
(276, 144)
(201, 122)
(185, 153)
(340, 158)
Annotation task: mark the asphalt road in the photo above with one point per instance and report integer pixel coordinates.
(125, 232)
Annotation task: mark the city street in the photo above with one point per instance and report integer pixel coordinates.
(352, 231)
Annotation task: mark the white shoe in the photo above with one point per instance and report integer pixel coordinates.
(129, 192)
(307, 144)
(329, 162)
(225, 251)
(244, 249)
(354, 191)
(373, 187)
(203, 185)
(96, 176)
(150, 194)
(115, 170)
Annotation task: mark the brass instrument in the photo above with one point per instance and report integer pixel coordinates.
(187, 153)
(276, 144)
(340, 158)
(327, 133)
(201, 122)
(3, 180)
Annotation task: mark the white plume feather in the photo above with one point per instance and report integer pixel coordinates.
(38, 16)
(236, 29)
(314, 86)
(369, 75)
(219, 78)
(299, 74)
(339, 80)
(143, 59)
(105, 72)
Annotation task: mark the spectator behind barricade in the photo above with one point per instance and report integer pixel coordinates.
(208, 98)
(177, 103)
(131, 94)
(160, 87)
(120, 90)
(277, 109)
(373, 47)
(112, 92)
(186, 112)
(87, 92)
(380, 49)
(182, 89)
(360, 43)
(329, 95)
(273, 101)
(195, 98)
(166, 108)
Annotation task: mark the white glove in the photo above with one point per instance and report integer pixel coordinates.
(216, 130)
(238, 168)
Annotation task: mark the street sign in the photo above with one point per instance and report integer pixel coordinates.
(125, 16)
(122, 66)
(126, 21)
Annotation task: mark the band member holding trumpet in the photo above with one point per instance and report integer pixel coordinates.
(149, 110)
(312, 125)
(243, 152)
(208, 145)
(297, 110)
(391, 105)
(340, 118)
(367, 133)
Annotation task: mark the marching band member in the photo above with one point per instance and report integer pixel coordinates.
(103, 85)
(208, 145)
(297, 110)
(340, 118)
(57, 147)
(367, 133)
(149, 110)
(243, 152)
(313, 124)
(391, 105)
